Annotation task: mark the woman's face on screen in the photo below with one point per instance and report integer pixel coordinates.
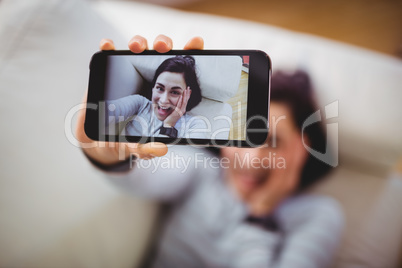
(166, 93)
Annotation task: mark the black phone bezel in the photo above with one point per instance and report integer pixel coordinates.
(257, 102)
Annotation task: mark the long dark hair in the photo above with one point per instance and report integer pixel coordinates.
(296, 92)
(186, 66)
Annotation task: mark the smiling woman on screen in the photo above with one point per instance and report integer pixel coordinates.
(175, 90)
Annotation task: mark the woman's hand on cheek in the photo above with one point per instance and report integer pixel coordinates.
(282, 181)
(179, 110)
(264, 200)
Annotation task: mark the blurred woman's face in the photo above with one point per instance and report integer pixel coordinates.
(272, 165)
(166, 93)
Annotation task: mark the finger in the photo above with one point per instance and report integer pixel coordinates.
(184, 102)
(186, 97)
(280, 184)
(138, 44)
(106, 44)
(163, 43)
(152, 149)
(179, 102)
(79, 131)
(271, 188)
(127, 150)
(188, 94)
(195, 43)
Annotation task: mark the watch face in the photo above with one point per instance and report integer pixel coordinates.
(208, 97)
(168, 131)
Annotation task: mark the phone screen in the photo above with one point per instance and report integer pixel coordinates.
(180, 98)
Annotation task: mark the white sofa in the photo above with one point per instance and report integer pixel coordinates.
(55, 208)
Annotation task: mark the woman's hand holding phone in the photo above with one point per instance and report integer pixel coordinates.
(109, 153)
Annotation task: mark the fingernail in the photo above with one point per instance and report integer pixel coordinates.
(137, 44)
(163, 42)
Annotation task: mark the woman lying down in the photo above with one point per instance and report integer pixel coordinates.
(251, 210)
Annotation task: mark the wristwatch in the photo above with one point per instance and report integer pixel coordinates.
(168, 131)
(268, 222)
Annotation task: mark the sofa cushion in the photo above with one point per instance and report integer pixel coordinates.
(51, 198)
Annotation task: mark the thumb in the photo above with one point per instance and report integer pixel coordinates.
(148, 150)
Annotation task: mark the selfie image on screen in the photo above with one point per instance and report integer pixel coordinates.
(197, 97)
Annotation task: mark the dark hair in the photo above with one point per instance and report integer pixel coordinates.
(186, 66)
(295, 91)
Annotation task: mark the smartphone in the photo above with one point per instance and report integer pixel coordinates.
(196, 97)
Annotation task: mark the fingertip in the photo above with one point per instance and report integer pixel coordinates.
(198, 40)
(106, 44)
(162, 47)
(135, 47)
(196, 43)
(155, 148)
(138, 44)
(163, 44)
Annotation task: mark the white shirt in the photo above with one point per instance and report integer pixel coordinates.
(145, 123)
(207, 227)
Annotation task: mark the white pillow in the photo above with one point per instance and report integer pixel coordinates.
(219, 77)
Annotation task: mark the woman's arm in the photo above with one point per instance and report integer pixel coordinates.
(168, 178)
(123, 108)
(306, 233)
(312, 227)
(196, 128)
(162, 178)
